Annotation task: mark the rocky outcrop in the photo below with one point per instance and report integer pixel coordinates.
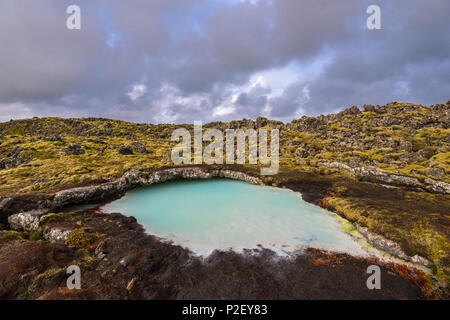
(56, 235)
(378, 175)
(14, 159)
(437, 186)
(135, 178)
(30, 221)
(390, 247)
(26, 220)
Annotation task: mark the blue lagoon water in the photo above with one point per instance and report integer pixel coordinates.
(205, 215)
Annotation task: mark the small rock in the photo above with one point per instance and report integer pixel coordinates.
(101, 249)
(405, 145)
(435, 172)
(139, 147)
(422, 261)
(125, 150)
(74, 149)
(423, 153)
(126, 261)
(57, 235)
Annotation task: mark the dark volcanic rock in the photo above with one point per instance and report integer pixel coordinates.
(14, 159)
(139, 147)
(74, 149)
(125, 150)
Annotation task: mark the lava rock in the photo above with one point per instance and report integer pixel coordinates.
(435, 172)
(139, 147)
(74, 149)
(125, 150)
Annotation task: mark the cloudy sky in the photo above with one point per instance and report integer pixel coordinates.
(184, 60)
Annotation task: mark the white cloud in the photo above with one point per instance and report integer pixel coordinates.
(276, 79)
(16, 110)
(138, 91)
(221, 111)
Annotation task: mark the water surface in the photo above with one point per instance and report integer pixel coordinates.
(225, 214)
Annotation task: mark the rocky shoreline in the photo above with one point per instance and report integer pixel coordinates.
(377, 175)
(30, 220)
(59, 229)
(38, 205)
(134, 178)
(120, 261)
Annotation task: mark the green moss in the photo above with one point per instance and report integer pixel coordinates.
(441, 160)
(35, 236)
(57, 217)
(414, 233)
(370, 155)
(45, 277)
(335, 127)
(327, 155)
(78, 238)
(10, 235)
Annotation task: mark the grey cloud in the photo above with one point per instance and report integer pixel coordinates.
(40, 59)
(203, 48)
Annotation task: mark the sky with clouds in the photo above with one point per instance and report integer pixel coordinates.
(176, 61)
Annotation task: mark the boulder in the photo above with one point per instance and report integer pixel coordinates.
(125, 150)
(369, 108)
(139, 147)
(26, 220)
(56, 235)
